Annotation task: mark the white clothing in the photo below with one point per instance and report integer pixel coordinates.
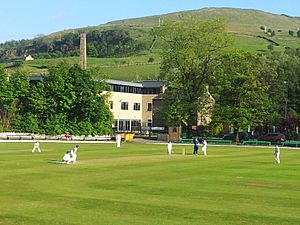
(118, 140)
(76, 149)
(204, 147)
(73, 154)
(170, 148)
(277, 154)
(74, 158)
(67, 158)
(36, 146)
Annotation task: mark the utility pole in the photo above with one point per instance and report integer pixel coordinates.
(286, 100)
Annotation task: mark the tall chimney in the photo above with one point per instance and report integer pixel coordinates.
(83, 51)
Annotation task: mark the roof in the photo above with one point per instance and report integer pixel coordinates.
(142, 84)
(125, 83)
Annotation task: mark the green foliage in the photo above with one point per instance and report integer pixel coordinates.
(151, 59)
(106, 43)
(241, 95)
(67, 100)
(192, 52)
(271, 47)
(26, 123)
(291, 33)
(286, 85)
(17, 63)
(110, 43)
(13, 91)
(262, 28)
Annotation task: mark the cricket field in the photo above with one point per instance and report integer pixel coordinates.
(139, 184)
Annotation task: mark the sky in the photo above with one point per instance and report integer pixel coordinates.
(25, 19)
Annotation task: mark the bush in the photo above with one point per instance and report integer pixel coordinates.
(293, 136)
(151, 60)
(291, 33)
(270, 47)
(17, 64)
(262, 28)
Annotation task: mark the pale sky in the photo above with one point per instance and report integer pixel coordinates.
(24, 19)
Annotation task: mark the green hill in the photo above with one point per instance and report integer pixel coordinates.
(245, 21)
(244, 24)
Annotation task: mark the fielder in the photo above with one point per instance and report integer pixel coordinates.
(36, 146)
(67, 157)
(73, 154)
(118, 140)
(170, 147)
(204, 146)
(277, 154)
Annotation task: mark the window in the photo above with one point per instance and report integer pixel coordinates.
(137, 106)
(127, 125)
(124, 105)
(149, 106)
(116, 124)
(135, 125)
(111, 104)
(149, 123)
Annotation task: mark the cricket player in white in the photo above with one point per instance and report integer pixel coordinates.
(118, 140)
(277, 154)
(204, 146)
(36, 146)
(170, 147)
(73, 153)
(67, 157)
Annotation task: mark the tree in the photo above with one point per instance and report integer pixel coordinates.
(192, 51)
(13, 91)
(285, 90)
(291, 33)
(69, 100)
(241, 92)
(6, 98)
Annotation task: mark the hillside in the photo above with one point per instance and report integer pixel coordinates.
(245, 21)
(134, 62)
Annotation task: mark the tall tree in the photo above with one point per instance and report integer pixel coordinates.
(192, 51)
(241, 94)
(285, 90)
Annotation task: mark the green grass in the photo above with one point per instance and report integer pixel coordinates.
(128, 68)
(140, 184)
(133, 73)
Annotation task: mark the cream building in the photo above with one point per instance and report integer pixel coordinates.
(131, 103)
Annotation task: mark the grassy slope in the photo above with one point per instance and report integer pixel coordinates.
(243, 24)
(140, 184)
(119, 69)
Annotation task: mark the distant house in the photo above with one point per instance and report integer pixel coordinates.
(28, 58)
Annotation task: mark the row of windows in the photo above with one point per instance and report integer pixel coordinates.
(135, 90)
(127, 125)
(136, 106)
(125, 89)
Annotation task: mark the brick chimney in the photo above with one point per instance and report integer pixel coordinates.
(83, 51)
